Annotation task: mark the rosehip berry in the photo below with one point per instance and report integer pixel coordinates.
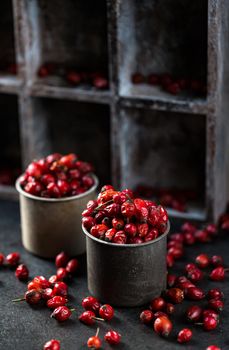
(169, 260)
(178, 237)
(175, 295)
(211, 313)
(109, 235)
(215, 294)
(94, 342)
(216, 304)
(195, 293)
(22, 272)
(42, 282)
(98, 230)
(216, 260)
(190, 267)
(163, 326)
(72, 266)
(34, 169)
(47, 293)
(218, 274)
(202, 260)
(130, 229)
(61, 273)
(176, 252)
(195, 275)
(213, 347)
(53, 190)
(152, 234)
(56, 301)
(2, 258)
(53, 279)
(52, 344)
(13, 259)
(194, 313)
(188, 227)
(157, 304)
(61, 259)
(107, 187)
(146, 316)
(91, 303)
(32, 297)
(209, 323)
(202, 236)
(118, 224)
(128, 209)
(189, 238)
(171, 279)
(159, 314)
(60, 288)
(170, 308)
(141, 209)
(112, 337)
(184, 336)
(106, 312)
(62, 313)
(88, 222)
(33, 285)
(88, 317)
(119, 237)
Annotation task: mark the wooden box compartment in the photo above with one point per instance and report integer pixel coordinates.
(69, 34)
(68, 126)
(165, 152)
(162, 37)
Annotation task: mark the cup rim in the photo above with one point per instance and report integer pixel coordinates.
(136, 245)
(63, 199)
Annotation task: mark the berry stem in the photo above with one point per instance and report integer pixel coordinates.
(101, 205)
(18, 299)
(98, 319)
(97, 332)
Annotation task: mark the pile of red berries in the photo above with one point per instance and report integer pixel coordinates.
(118, 217)
(57, 176)
(170, 84)
(111, 337)
(12, 260)
(75, 77)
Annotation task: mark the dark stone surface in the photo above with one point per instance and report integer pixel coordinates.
(27, 328)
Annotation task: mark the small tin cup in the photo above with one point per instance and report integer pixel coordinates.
(126, 274)
(51, 225)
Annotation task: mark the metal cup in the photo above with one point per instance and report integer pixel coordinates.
(126, 274)
(51, 225)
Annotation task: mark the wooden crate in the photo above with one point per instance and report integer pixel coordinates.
(132, 133)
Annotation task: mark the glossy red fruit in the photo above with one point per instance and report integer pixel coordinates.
(42, 282)
(213, 347)
(195, 293)
(211, 313)
(112, 337)
(157, 304)
(169, 309)
(13, 259)
(169, 260)
(34, 169)
(61, 259)
(94, 342)
(61, 313)
(171, 280)
(159, 314)
(195, 275)
(175, 295)
(52, 344)
(53, 190)
(216, 304)
(146, 316)
(109, 235)
(163, 326)
(47, 293)
(176, 252)
(56, 301)
(209, 323)
(189, 238)
(106, 312)
(91, 303)
(99, 230)
(22, 272)
(202, 236)
(215, 293)
(190, 267)
(100, 83)
(128, 209)
(194, 313)
(188, 227)
(33, 297)
(61, 273)
(202, 260)
(33, 188)
(88, 317)
(118, 224)
(53, 279)
(218, 274)
(72, 266)
(60, 288)
(211, 229)
(217, 260)
(130, 229)
(73, 78)
(184, 336)
(178, 237)
(2, 258)
(119, 237)
(88, 222)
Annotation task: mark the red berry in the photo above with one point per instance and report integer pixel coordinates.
(188, 227)
(53, 279)
(175, 295)
(171, 279)
(47, 293)
(99, 230)
(33, 285)
(216, 304)
(32, 297)
(184, 336)
(211, 313)
(42, 282)
(52, 344)
(56, 301)
(173, 88)
(109, 235)
(100, 83)
(157, 304)
(87, 317)
(202, 236)
(35, 170)
(194, 313)
(119, 237)
(61, 313)
(189, 238)
(106, 312)
(61, 273)
(218, 274)
(47, 178)
(211, 229)
(215, 293)
(216, 260)
(163, 326)
(88, 222)
(202, 260)
(53, 190)
(146, 316)
(169, 260)
(112, 337)
(118, 223)
(213, 347)
(176, 252)
(73, 78)
(170, 308)
(87, 181)
(152, 234)
(61, 259)
(195, 275)
(130, 229)
(2, 258)
(209, 323)
(178, 237)
(22, 272)
(94, 342)
(128, 209)
(72, 266)
(195, 293)
(190, 267)
(91, 303)
(60, 288)
(13, 259)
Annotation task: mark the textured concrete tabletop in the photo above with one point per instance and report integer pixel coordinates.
(25, 328)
